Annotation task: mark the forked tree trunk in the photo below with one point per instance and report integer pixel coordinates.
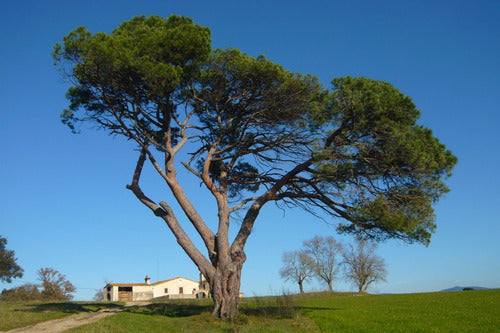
(226, 290)
(330, 288)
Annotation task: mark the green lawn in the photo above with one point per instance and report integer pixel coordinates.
(133, 322)
(468, 311)
(21, 314)
(264, 314)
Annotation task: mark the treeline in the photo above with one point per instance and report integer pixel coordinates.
(53, 286)
(327, 260)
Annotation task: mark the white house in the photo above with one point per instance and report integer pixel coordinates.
(176, 288)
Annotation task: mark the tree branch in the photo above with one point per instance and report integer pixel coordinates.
(253, 212)
(205, 233)
(165, 212)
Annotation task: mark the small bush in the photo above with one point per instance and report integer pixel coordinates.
(286, 306)
(25, 292)
(281, 306)
(54, 287)
(99, 295)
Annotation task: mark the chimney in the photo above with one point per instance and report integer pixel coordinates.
(147, 279)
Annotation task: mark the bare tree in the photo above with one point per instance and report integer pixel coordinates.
(298, 267)
(324, 252)
(99, 295)
(363, 266)
(55, 285)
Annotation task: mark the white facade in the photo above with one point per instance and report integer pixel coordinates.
(177, 288)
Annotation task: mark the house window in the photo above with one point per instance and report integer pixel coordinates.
(181, 290)
(166, 290)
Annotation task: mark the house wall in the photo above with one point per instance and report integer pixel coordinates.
(174, 286)
(168, 289)
(111, 293)
(139, 293)
(142, 293)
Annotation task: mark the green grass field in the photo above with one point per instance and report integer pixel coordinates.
(469, 311)
(21, 314)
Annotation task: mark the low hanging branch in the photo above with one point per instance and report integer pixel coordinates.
(164, 211)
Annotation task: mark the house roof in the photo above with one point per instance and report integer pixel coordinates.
(145, 284)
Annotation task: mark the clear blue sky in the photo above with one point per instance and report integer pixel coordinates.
(63, 201)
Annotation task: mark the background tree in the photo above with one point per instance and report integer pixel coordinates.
(254, 133)
(25, 292)
(9, 269)
(298, 267)
(362, 265)
(325, 252)
(99, 295)
(54, 285)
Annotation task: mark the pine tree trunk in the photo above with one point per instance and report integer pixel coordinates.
(226, 290)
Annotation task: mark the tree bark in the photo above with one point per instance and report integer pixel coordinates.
(226, 290)
(330, 288)
(301, 287)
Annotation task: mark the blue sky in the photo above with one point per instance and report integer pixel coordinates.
(63, 201)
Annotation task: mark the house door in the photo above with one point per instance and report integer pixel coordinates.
(125, 294)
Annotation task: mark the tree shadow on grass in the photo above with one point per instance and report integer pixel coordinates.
(306, 310)
(326, 308)
(70, 307)
(171, 309)
(283, 312)
(270, 312)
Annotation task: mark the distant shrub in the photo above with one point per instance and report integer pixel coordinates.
(281, 306)
(54, 287)
(467, 289)
(25, 292)
(99, 295)
(286, 306)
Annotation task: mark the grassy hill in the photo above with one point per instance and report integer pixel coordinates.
(471, 311)
(468, 288)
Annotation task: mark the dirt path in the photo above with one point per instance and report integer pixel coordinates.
(63, 324)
